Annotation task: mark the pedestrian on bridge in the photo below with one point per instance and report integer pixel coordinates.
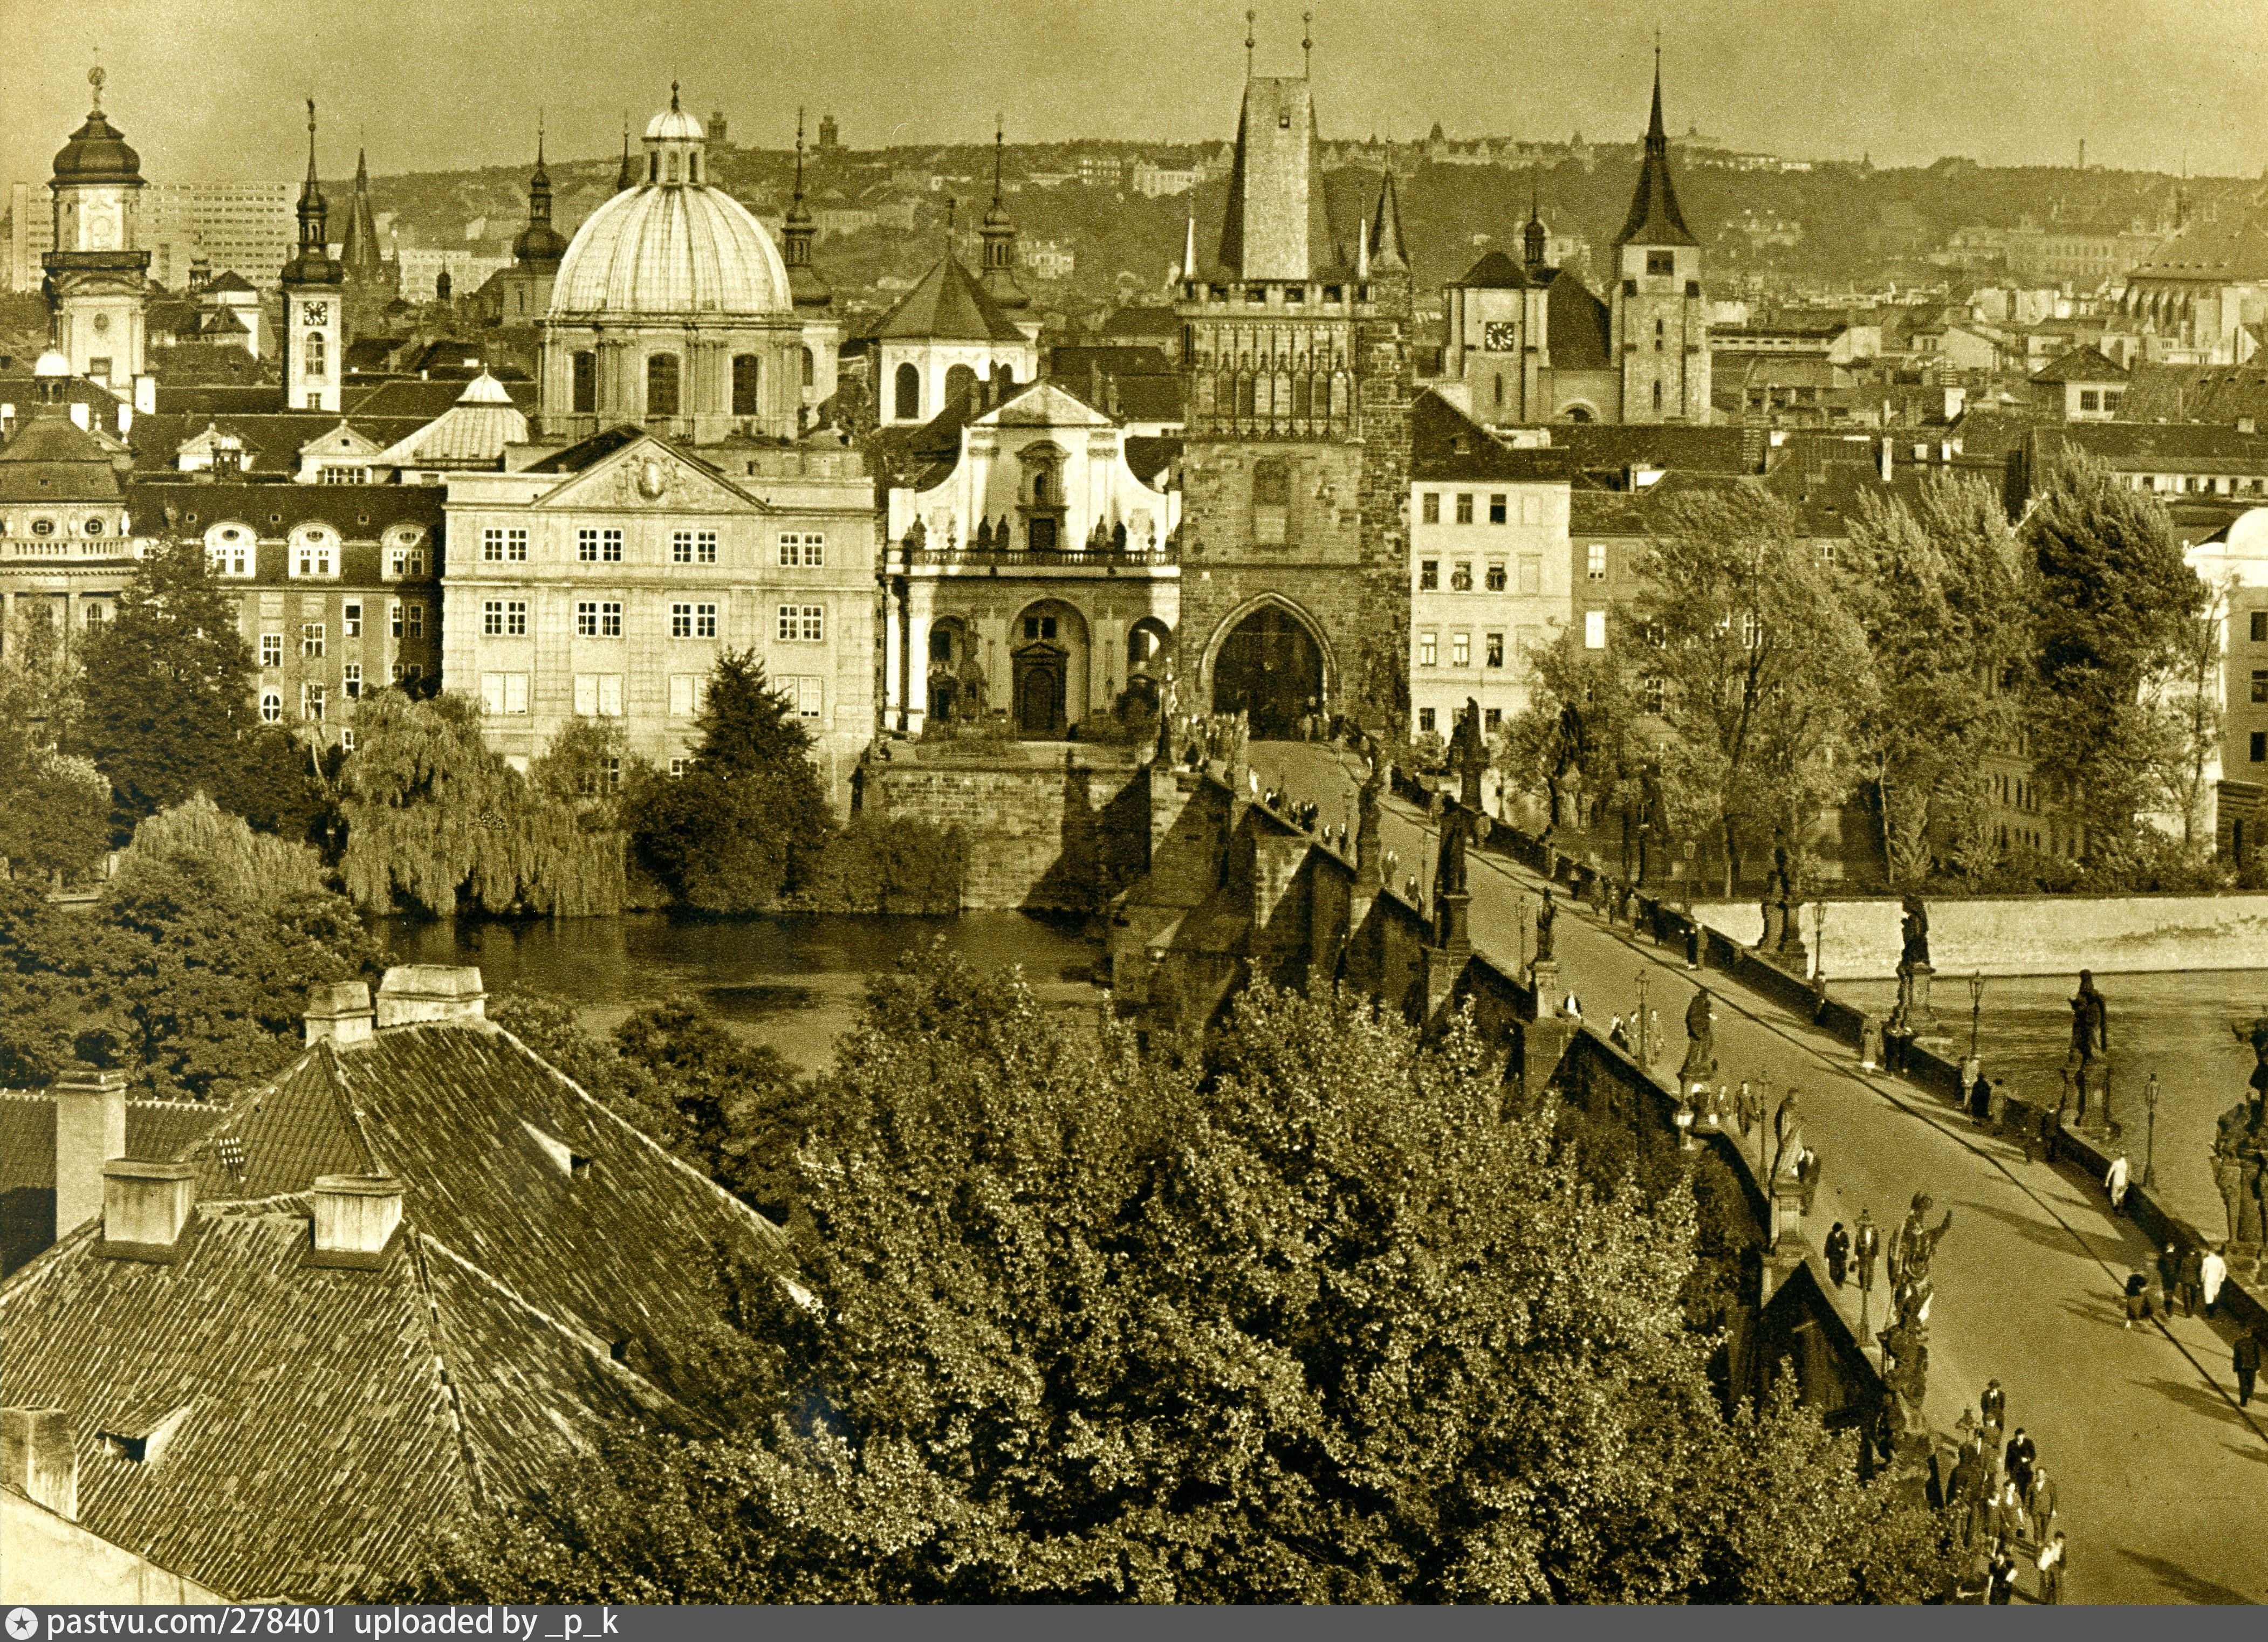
(1866, 1248)
(2023, 1452)
(2137, 1297)
(2042, 1502)
(2191, 1276)
(2247, 1363)
(2114, 1181)
(2053, 1563)
(2170, 1277)
(1807, 1176)
(1748, 1107)
(1839, 1254)
(1993, 1406)
(2212, 1272)
(2002, 1587)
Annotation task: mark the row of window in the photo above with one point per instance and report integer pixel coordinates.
(316, 558)
(44, 526)
(599, 694)
(507, 544)
(1461, 649)
(1491, 719)
(314, 696)
(664, 377)
(1499, 507)
(602, 618)
(1495, 577)
(404, 620)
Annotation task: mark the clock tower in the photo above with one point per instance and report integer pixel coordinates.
(97, 282)
(314, 292)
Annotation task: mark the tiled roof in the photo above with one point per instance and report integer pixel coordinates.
(1277, 225)
(598, 446)
(947, 304)
(1444, 444)
(154, 1129)
(430, 400)
(1141, 322)
(218, 399)
(271, 444)
(2209, 250)
(2165, 443)
(1601, 445)
(1576, 324)
(52, 459)
(358, 512)
(2082, 364)
(1495, 271)
(2208, 393)
(554, 1268)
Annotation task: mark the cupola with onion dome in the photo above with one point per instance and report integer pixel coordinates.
(539, 243)
(97, 277)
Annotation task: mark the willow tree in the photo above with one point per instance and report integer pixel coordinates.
(436, 818)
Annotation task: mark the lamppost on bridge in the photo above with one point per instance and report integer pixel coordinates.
(2150, 1153)
(1976, 1009)
(1645, 1050)
(1819, 948)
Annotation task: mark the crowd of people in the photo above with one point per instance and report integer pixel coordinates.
(2006, 1505)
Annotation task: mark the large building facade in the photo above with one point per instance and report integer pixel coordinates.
(1296, 344)
(602, 582)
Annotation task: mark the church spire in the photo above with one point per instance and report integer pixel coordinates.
(312, 264)
(358, 244)
(1385, 229)
(1655, 217)
(805, 283)
(998, 275)
(1535, 243)
(628, 176)
(540, 243)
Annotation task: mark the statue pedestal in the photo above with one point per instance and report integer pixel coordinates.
(1913, 1017)
(1787, 1218)
(1543, 976)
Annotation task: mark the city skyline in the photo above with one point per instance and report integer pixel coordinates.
(2174, 91)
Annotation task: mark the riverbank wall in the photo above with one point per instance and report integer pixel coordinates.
(2027, 934)
(1059, 834)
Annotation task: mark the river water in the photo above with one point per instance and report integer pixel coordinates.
(2175, 1026)
(795, 983)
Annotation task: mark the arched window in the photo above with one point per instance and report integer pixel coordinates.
(672, 168)
(693, 163)
(909, 398)
(319, 357)
(960, 382)
(1500, 391)
(1004, 374)
(747, 385)
(661, 385)
(653, 168)
(585, 366)
(1657, 395)
(810, 370)
(1271, 499)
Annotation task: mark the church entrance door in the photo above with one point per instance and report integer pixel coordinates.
(1039, 690)
(1269, 667)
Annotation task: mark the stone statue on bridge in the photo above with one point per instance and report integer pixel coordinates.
(1547, 915)
(1700, 1046)
(2240, 1149)
(2087, 1066)
(1913, 929)
(1778, 893)
(1787, 1137)
(1469, 754)
(1915, 1245)
(1905, 1343)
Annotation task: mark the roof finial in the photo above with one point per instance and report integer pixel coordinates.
(1307, 44)
(999, 143)
(539, 136)
(952, 207)
(311, 142)
(95, 77)
(1251, 41)
(673, 97)
(799, 151)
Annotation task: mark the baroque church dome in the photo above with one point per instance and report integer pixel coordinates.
(672, 245)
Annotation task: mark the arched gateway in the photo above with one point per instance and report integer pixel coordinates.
(1269, 667)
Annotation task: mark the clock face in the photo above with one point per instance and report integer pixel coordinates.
(1500, 336)
(315, 313)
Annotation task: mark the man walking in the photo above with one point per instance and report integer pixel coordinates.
(2170, 1277)
(2114, 1181)
(2022, 1452)
(2191, 1276)
(2043, 1501)
(2052, 1563)
(2246, 1363)
(1838, 1253)
(1866, 1247)
(1807, 1175)
(2212, 1272)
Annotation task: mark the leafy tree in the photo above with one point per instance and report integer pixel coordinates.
(747, 818)
(1938, 598)
(168, 684)
(887, 862)
(434, 815)
(1754, 655)
(1323, 1320)
(191, 971)
(2113, 607)
(1582, 733)
(57, 817)
(2186, 699)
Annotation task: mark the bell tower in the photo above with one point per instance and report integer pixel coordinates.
(1660, 319)
(97, 281)
(314, 292)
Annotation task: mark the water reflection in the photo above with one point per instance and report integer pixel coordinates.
(792, 982)
(2175, 1026)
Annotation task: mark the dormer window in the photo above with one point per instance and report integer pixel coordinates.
(570, 1162)
(146, 1446)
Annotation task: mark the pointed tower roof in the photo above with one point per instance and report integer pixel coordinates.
(947, 304)
(1535, 243)
(98, 151)
(1000, 236)
(1275, 226)
(1654, 218)
(540, 244)
(358, 250)
(1386, 228)
(805, 283)
(628, 176)
(312, 265)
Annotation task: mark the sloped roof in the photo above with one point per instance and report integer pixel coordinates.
(272, 443)
(600, 446)
(218, 399)
(52, 459)
(358, 512)
(1277, 225)
(1140, 322)
(332, 1419)
(947, 304)
(475, 429)
(2165, 444)
(230, 282)
(154, 1129)
(2205, 393)
(433, 398)
(1576, 324)
(1444, 444)
(2210, 251)
(2083, 365)
(1654, 218)
(1679, 447)
(1495, 271)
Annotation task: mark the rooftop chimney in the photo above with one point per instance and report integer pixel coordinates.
(37, 1460)
(90, 1132)
(355, 1216)
(1886, 459)
(414, 992)
(339, 1012)
(78, 415)
(146, 1209)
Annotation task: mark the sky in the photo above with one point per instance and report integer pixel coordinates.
(215, 89)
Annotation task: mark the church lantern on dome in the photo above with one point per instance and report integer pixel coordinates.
(97, 275)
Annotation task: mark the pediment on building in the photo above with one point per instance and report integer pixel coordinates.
(339, 444)
(649, 475)
(1044, 405)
